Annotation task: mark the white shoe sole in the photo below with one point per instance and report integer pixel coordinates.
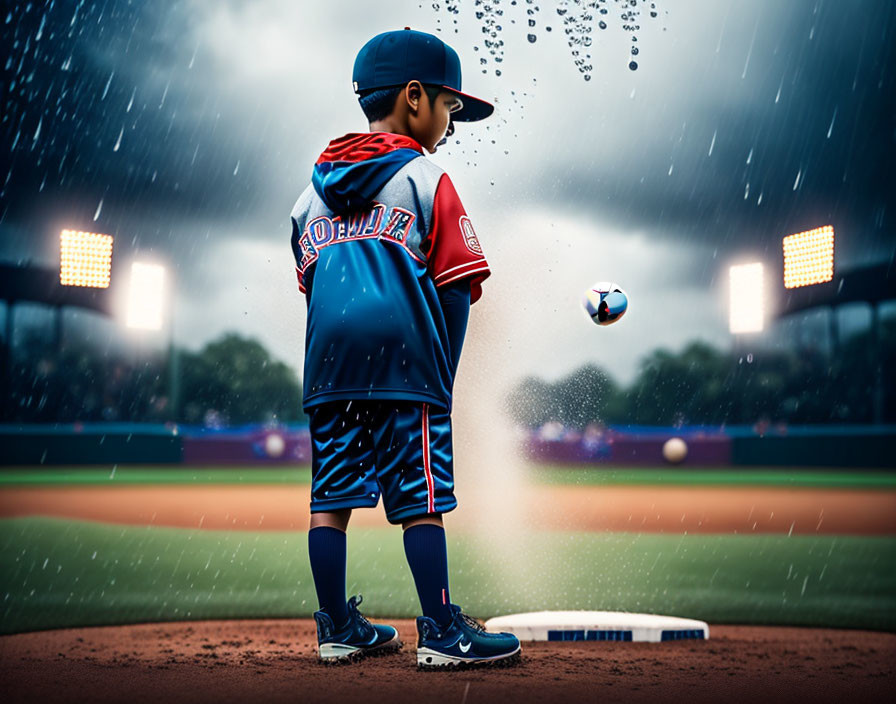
(334, 652)
(427, 657)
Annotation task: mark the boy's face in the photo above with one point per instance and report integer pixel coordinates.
(431, 122)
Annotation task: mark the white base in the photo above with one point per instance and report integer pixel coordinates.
(598, 626)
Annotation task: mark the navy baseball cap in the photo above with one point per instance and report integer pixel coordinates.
(394, 58)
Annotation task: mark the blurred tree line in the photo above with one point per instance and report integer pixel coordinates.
(705, 385)
(231, 381)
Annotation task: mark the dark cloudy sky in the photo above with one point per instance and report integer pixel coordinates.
(188, 129)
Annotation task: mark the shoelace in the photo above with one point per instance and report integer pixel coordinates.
(472, 622)
(353, 605)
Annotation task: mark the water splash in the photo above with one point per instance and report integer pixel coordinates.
(578, 18)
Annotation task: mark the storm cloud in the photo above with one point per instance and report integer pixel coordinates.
(188, 129)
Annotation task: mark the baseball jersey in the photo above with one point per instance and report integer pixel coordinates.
(376, 232)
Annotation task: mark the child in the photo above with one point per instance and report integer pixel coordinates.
(389, 264)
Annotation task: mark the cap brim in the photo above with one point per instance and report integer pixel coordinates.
(473, 110)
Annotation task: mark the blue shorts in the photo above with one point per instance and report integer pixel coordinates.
(400, 449)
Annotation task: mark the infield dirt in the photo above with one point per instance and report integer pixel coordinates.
(275, 661)
(743, 510)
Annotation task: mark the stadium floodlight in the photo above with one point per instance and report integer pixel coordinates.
(146, 296)
(85, 259)
(809, 257)
(746, 304)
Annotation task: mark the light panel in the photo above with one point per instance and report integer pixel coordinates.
(809, 257)
(85, 259)
(746, 303)
(146, 296)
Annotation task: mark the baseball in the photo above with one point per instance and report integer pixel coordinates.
(675, 450)
(274, 445)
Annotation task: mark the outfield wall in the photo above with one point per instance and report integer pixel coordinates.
(799, 446)
(103, 443)
(124, 443)
(121, 443)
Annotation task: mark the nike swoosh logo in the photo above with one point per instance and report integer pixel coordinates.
(372, 640)
(463, 649)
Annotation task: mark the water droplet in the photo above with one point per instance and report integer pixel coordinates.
(635, 51)
(602, 24)
(531, 38)
(633, 65)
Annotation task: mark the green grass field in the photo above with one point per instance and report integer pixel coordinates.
(718, 476)
(596, 475)
(56, 573)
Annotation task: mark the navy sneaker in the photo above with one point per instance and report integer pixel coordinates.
(463, 642)
(356, 639)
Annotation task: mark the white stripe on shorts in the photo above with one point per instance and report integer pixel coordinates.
(427, 469)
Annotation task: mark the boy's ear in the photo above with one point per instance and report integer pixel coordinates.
(413, 92)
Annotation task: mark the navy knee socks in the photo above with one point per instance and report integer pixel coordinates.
(326, 550)
(427, 553)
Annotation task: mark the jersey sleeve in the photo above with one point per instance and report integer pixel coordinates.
(454, 252)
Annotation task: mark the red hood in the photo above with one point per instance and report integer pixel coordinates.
(358, 146)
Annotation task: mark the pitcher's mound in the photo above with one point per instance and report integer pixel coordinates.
(275, 661)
